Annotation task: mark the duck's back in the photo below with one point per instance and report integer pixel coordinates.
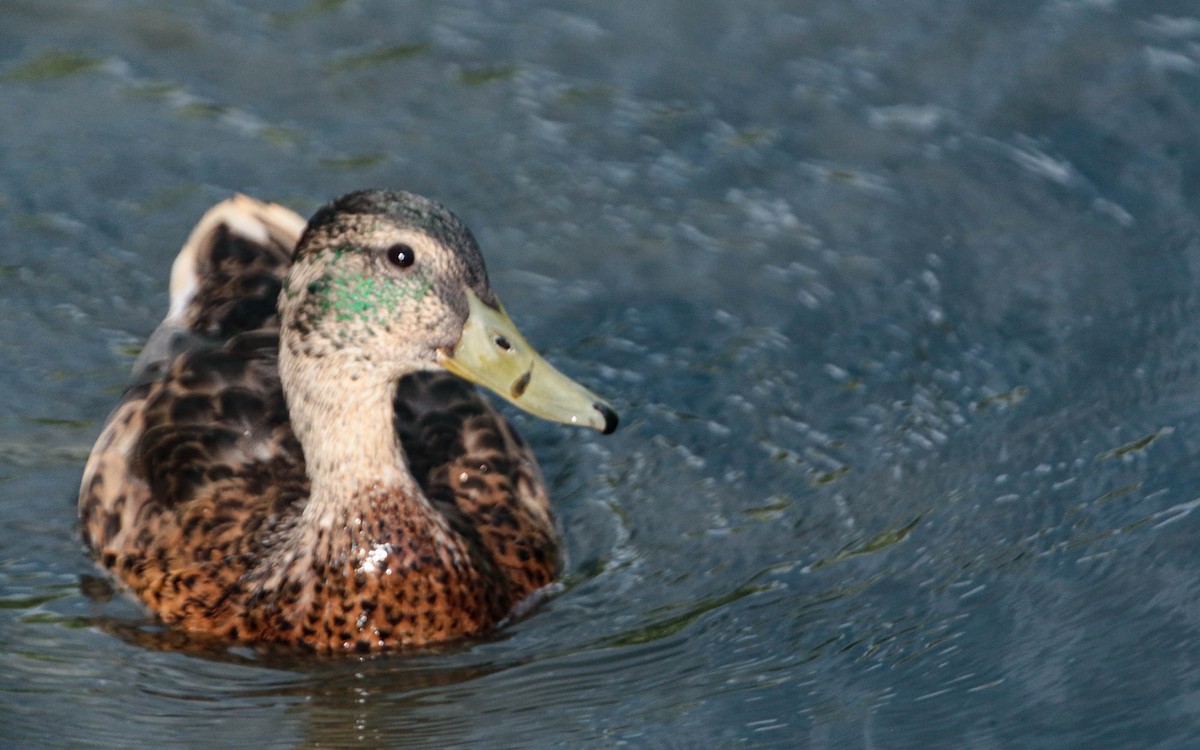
(199, 461)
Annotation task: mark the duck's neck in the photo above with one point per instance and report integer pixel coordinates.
(368, 550)
(344, 419)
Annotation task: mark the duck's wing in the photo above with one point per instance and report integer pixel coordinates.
(199, 456)
(225, 280)
(475, 468)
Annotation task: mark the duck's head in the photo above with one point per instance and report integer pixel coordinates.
(386, 283)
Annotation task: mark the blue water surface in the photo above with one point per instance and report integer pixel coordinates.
(897, 301)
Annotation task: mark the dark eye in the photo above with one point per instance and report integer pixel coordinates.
(401, 255)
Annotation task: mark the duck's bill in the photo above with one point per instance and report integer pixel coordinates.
(494, 354)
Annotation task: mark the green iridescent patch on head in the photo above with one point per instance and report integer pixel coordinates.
(365, 298)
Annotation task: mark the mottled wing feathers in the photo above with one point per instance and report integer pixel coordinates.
(226, 279)
(481, 475)
(209, 427)
(218, 414)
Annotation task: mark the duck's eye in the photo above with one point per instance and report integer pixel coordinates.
(401, 255)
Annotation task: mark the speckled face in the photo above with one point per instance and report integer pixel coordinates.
(384, 285)
(388, 283)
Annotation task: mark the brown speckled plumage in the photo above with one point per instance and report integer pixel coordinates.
(409, 525)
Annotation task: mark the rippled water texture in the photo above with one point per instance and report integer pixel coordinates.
(896, 299)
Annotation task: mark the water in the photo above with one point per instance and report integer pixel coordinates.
(896, 301)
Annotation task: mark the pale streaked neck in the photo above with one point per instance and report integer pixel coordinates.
(342, 414)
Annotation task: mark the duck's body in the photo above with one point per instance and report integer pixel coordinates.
(314, 476)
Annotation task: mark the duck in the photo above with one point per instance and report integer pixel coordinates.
(303, 458)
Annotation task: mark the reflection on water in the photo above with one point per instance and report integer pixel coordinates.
(897, 299)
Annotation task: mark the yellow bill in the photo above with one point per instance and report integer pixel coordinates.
(494, 354)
